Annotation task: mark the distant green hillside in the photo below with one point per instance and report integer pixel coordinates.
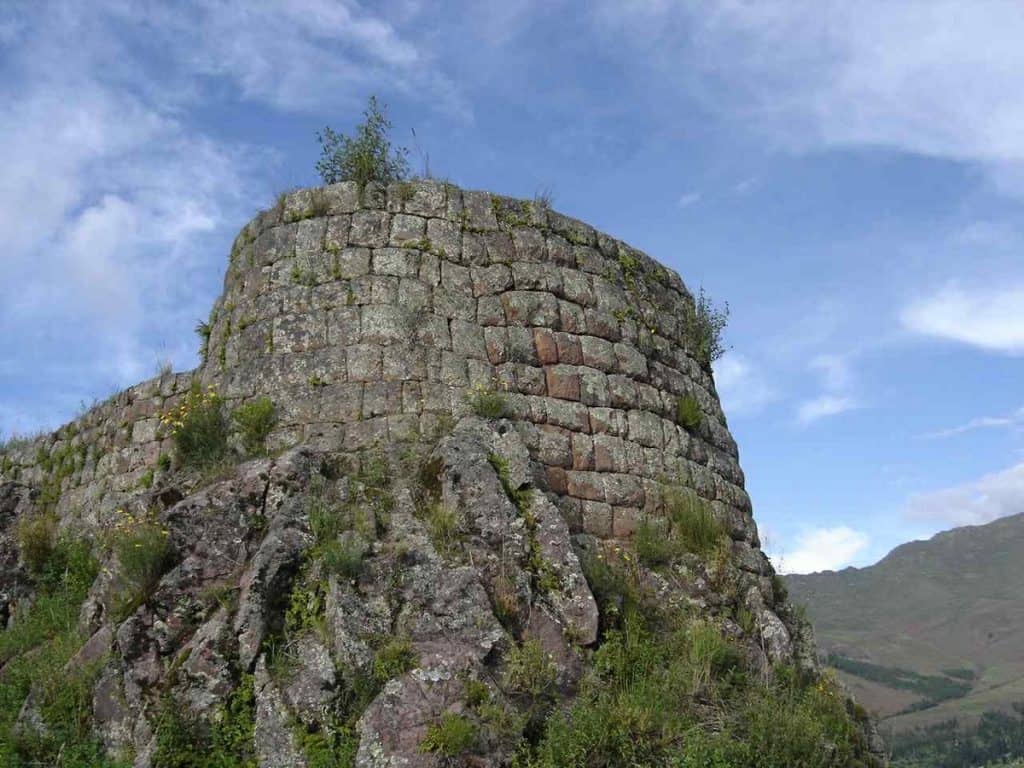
(934, 631)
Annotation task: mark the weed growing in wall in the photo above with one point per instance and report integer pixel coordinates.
(35, 536)
(254, 422)
(144, 553)
(688, 412)
(487, 402)
(199, 428)
(703, 325)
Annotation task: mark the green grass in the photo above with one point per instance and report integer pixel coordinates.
(144, 554)
(450, 736)
(488, 403)
(394, 659)
(226, 742)
(693, 521)
(688, 412)
(254, 422)
(689, 525)
(443, 528)
(34, 649)
(199, 429)
(677, 695)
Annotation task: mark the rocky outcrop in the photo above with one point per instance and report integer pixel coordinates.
(476, 396)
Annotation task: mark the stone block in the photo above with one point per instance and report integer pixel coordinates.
(496, 341)
(630, 361)
(568, 414)
(625, 490)
(645, 429)
(364, 362)
(384, 324)
(529, 245)
(598, 353)
(382, 398)
(609, 453)
(622, 391)
(478, 210)
(544, 343)
(490, 280)
(399, 262)
(407, 229)
(557, 480)
(624, 521)
(414, 295)
(571, 318)
(521, 346)
(563, 382)
(336, 233)
(404, 361)
(582, 451)
(529, 277)
(343, 326)
(609, 421)
(601, 323)
(552, 446)
(570, 350)
(468, 339)
(498, 246)
(530, 380)
(369, 228)
(586, 485)
(594, 388)
(597, 518)
(490, 311)
(445, 238)
(525, 308)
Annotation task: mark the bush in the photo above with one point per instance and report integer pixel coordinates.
(688, 412)
(366, 157)
(394, 659)
(488, 403)
(451, 736)
(693, 523)
(443, 528)
(703, 324)
(653, 544)
(344, 555)
(530, 671)
(144, 552)
(35, 537)
(199, 428)
(183, 742)
(254, 422)
(34, 650)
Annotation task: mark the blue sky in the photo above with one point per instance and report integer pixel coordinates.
(849, 177)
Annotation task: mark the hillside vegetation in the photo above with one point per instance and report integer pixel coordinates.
(931, 633)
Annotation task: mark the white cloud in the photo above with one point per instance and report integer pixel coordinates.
(114, 210)
(821, 407)
(990, 318)
(1014, 419)
(823, 549)
(307, 55)
(837, 382)
(689, 198)
(994, 495)
(932, 77)
(742, 386)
